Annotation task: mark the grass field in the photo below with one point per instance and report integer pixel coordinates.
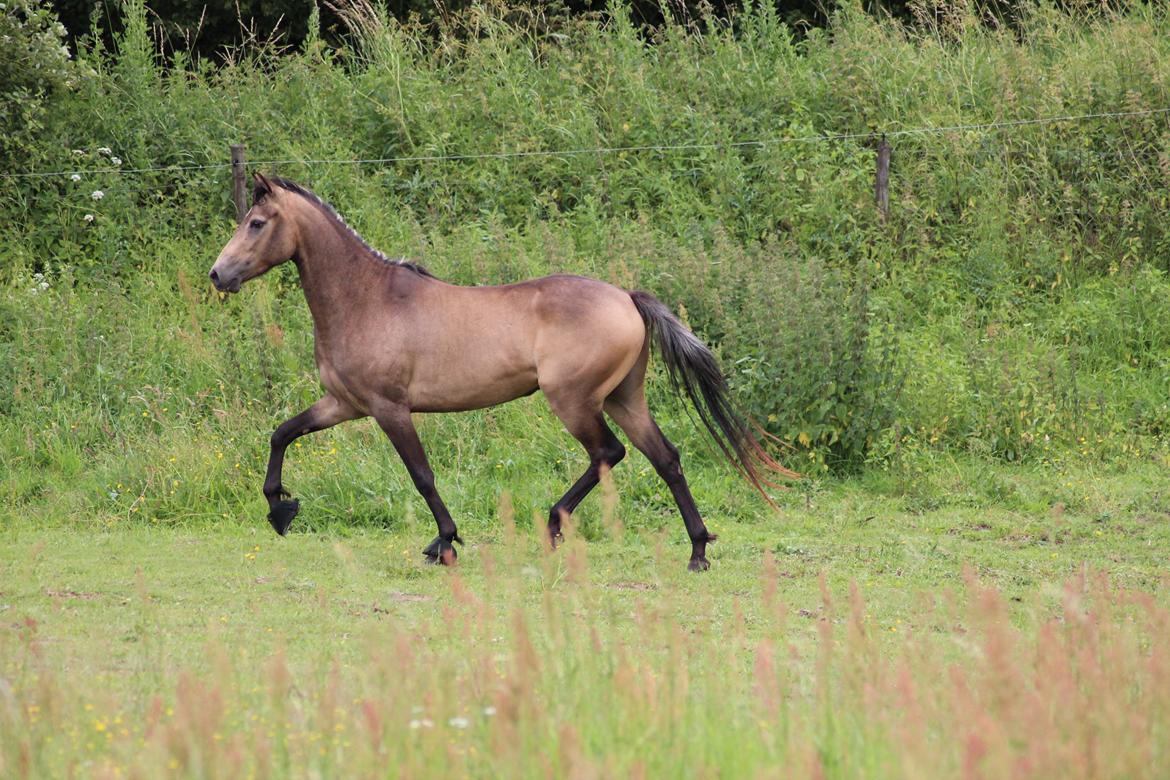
(972, 581)
(843, 635)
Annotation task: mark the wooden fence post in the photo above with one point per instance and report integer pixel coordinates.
(239, 188)
(881, 187)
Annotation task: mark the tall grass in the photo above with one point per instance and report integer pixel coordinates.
(541, 670)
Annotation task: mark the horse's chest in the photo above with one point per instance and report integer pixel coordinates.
(358, 374)
(342, 381)
(333, 381)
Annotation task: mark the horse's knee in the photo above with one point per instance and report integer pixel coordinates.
(286, 433)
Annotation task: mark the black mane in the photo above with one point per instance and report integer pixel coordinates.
(259, 192)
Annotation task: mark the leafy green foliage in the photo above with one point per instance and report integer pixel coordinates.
(35, 65)
(1013, 306)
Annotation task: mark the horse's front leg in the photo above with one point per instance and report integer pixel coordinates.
(326, 413)
(395, 421)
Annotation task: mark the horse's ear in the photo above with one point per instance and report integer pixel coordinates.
(261, 187)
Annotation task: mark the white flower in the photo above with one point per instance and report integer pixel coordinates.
(43, 285)
(425, 723)
(78, 152)
(38, 276)
(489, 711)
(98, 195)
(459, 723)
(88, 217)
(75, 177)
(105, 150)
(116, 160)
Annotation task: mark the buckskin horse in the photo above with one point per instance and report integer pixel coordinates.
(391, 339)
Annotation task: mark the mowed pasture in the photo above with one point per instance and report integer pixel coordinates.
(839, 637)
(969, 580)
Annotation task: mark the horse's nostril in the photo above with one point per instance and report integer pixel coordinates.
(214, 276)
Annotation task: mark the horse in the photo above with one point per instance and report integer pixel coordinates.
(391, 339)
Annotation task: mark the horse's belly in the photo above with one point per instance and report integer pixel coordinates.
(469, 389)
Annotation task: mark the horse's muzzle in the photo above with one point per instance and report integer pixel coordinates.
(225, 285)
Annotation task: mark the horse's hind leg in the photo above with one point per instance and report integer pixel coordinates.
(588, 427)
(326, 413)
(627, 406)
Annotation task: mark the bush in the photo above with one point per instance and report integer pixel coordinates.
(1014, 303)
(814, 360)
(35, 65)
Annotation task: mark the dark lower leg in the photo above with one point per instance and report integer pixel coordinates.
(400, 429)
(664, 457)
(604, 449)
(696, 528)
(326, 413)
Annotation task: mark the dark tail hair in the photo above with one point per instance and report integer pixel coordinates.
(693, 370)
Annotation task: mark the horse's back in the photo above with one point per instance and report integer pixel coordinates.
(478, 346)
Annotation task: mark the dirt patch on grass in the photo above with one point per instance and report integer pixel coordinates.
(632, 586)
(401, 597)
(71, 594)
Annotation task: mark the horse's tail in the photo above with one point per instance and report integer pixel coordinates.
(693, 370)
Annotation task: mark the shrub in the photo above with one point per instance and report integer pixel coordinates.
(36, 64)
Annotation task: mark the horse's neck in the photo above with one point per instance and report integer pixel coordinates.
(333, 276)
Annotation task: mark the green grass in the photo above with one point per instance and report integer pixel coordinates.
(971, 581)
(217, 648)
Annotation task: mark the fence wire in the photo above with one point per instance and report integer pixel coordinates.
(758, 143)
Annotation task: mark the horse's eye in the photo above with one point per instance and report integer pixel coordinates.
(256, 224)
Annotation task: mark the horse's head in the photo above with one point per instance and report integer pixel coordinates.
(265, 238)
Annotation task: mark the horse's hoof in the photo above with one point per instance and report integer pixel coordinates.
(282, 514)
(698, 564)
(441, 551)
(555, 539)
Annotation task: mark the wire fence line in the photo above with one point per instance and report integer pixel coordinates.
(758, 143)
